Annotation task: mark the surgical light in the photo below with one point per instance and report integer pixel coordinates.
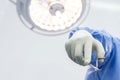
(52, 17)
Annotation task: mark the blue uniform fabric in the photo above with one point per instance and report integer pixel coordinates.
(110, 68)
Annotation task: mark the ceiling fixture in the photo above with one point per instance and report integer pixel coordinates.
(52, 17)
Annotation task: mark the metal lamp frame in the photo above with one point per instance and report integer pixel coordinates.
(23, 13)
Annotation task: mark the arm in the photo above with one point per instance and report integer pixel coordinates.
(108, 44)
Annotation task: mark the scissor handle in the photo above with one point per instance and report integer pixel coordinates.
(96, 66)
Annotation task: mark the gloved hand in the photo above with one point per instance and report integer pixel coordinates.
(80, 46)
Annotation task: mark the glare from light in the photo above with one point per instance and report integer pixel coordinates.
(41, 16)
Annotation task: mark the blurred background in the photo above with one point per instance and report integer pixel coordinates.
(25, 55)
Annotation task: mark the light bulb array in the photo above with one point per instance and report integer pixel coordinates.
(41, 16)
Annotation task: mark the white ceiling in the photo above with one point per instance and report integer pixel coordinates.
(25, 55)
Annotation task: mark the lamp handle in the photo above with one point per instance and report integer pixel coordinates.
(13, 1)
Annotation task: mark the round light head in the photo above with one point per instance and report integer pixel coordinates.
(52, 17)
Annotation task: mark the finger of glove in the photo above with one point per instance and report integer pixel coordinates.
(79, 53)
(87, 51)
(68, 47)
(100, 50)
(73, 44)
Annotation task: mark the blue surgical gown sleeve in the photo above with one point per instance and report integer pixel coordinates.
(110, 68)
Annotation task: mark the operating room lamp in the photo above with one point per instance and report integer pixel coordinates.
(51, 17)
